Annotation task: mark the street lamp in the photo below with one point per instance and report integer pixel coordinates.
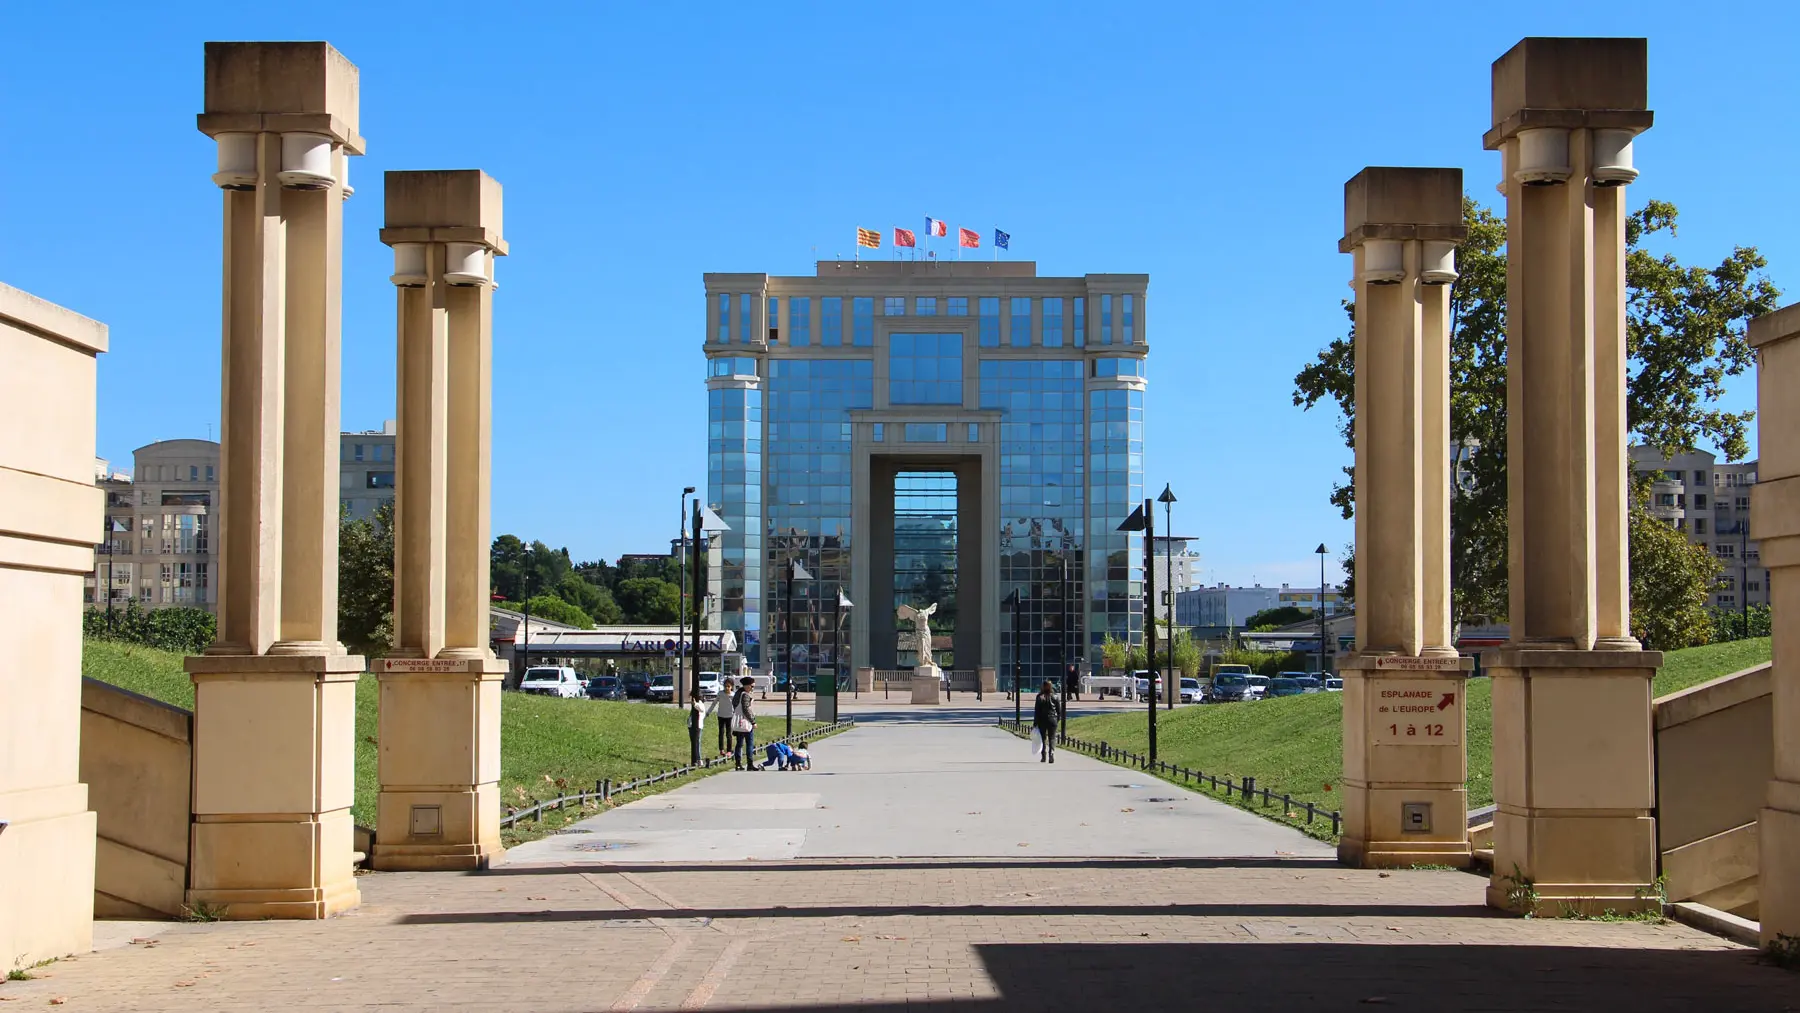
(837, 644)
(1143, 518)
(796, 572)
(705, 522)
(1321, 550)
(1012, 602)
(681, 622)
(1167, 499)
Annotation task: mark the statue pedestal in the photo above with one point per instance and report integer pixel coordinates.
(928, 684)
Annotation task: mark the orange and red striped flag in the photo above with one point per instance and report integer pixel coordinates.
(869, 238)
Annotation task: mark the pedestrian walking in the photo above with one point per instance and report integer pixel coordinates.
(1044, 719)
(721, 710)
(743, 726)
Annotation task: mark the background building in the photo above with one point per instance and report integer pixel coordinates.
(1212, 611)
(366, 470)
(1175, 561)
(928, 431)
(1710, 503)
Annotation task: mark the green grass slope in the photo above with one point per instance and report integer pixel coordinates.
(1295, 744)
(545, 743)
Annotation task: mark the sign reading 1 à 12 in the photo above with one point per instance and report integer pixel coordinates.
(1421, 712)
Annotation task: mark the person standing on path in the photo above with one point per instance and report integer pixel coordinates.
(1044, 719)
(721, 711)
(743, 726)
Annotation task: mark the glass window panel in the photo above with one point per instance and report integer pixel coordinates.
(927, 432)
(1021, 321)
(1106, 321)
(799, 325)
(862, 321)
(1053, 322)
(990, 321)
(894, 306)
(958, 306)
(774, 318)
(925, 306)
(879, 433)
(1130, 321)
(1080, 325)
(724, 335)
(745, 309)
(831, 320)
(925, 369)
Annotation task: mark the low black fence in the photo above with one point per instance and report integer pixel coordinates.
(605, 789)
(1245, 788)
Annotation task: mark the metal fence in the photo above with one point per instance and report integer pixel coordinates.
(605, 789)
(1245, 788)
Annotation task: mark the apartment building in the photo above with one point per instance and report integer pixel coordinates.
(1710, 503)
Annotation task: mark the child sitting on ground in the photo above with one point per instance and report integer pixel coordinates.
(785, 757)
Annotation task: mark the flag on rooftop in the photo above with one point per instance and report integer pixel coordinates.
(968, 237)
(1001, 239)
(869, 238)
(903, 237)
(933, 227)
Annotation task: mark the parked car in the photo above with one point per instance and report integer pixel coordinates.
(1230, 687)
(1309, 682)
(1143, 684)
(1333, 684)
(1259, 686)
(637, 685)
(605, 687)
(711, 684)
(1191, 692)
(559, 681)
(1282, 686)
(662, 689)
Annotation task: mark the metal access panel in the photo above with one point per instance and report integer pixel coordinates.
(427, 820)
(1415, 817)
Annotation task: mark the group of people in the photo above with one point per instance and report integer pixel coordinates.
(735, 714)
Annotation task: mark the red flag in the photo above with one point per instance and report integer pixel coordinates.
(903, 237)
(965, 237)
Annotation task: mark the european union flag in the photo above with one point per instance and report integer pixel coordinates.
(1001, 239)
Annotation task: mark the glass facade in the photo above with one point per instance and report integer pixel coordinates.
(1053, 322)
(925, 559)
(1021, 322)
(894, 306)
(1106, 311)
(746, 329)
(862, 321)
(1119, 367)
(1115, 485)
(1080, 327)
(724, 334)
(925, 306)
(734, 489)
(957, 306)
(927, 432)
(925, 369)
(1130, 320)
(831, 321)
(990, 321)
(799, 326)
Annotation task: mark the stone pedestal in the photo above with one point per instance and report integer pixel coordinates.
(1573, 781)
(51, 514)
(989, 679)
(1775, 524)
(1406, 762)
(440, 764)
(927, 689)
(865, 680)
(274, 776)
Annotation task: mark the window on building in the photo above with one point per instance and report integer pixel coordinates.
(356, 452)
(893, 306)
(724, 335)
(990, 321)
(1106, 314)
(1080, 326)
(831, 320)
(1728, 599)
(381, 480)
(927, 432)
(925, 369)
(1743, 502)
(1699, 478)
(1700, 501)
(1665, 499)
(193, 473)
(1021, 321)
(731, 365)
(799, 322)
(958, 306)
(1699, 525)
(774, 319)
(862, 321)
(1681, 524)
(1119, 367)
(925, 306)
(746, 308)
(1725, 550)
(1728, 583)
(1053, 322)
(189, 498)
(878, 433)
(1753, 585)
(974, 432)
(1130, 321)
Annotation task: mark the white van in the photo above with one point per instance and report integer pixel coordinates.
(560, 681)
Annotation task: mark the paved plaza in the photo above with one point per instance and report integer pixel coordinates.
(925, 861)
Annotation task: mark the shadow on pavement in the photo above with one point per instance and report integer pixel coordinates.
(956, 910)
(884, 865)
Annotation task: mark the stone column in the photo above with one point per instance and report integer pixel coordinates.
(1405, 757)
(440, 691)
(1775, 524)
(1573, 777)
(50, 513)
(275, 696)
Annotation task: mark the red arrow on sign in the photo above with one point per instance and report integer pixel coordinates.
(1449, 698)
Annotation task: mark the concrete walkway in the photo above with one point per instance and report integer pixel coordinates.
(929, 783)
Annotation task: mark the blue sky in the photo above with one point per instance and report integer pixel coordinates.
(642, 146)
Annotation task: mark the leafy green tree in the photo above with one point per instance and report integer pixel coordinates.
(649, 600)
(1113, 653)
(1187, 656)
(366, 582)
(1671, 579)
(1739, 624)
(550, 607)
(594, 600)
(1275, 618)
(516, 568)
(1685, 337)
(1135, 659)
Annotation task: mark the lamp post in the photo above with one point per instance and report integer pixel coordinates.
(681, 621)
(1167, 499)
(1143, 518)
(796, 572)
(704, 523)
(837, 643)
(1012, 602)
(1321, 550)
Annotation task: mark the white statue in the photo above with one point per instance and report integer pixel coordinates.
(921, 632)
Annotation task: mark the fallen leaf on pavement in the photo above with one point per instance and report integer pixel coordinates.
(57, 1000)
(1128, 809)
(851, 939)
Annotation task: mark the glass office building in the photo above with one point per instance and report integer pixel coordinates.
(963, 434)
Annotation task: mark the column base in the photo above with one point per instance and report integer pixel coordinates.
(1778, 878)
(439, 807)
(1573, 782)
(988, 679)
(281, 866)
(1404, 854)
(46, 874)
(865, 680)
(1405, 760)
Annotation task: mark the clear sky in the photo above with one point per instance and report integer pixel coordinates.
(642, 145)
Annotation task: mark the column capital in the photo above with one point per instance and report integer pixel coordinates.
(1403, 202)
(1566, 83)
(443, 206)
(281, 87)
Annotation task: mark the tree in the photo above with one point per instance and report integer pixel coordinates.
(594, 600)
(1685, 335)
(1275, 618)
(1113, 653)
(550, 607)
(1187, 656)
(366, 582)
(1671, 579)
(649, 600)
(516, 569)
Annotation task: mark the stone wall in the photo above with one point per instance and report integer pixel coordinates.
(137, 759)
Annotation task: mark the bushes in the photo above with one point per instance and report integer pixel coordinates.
(182, 630)
(1735, 624)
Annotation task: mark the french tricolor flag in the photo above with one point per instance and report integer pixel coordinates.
(933, 227)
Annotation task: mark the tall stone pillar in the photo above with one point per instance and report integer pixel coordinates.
(1573, 778)
(50, 516)
(275, 696)
(440, 690)
(1775, 524)
(1405, 755)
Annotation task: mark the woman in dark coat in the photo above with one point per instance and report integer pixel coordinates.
(1044, 719)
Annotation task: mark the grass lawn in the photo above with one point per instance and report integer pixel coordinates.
(546, 744)
(1295, 744)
